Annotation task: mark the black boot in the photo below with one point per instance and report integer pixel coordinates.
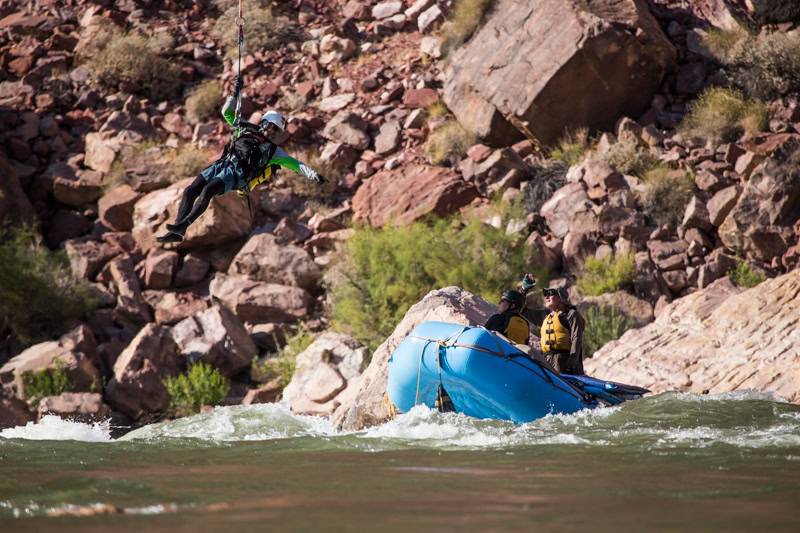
(170, 237)
(180, 229)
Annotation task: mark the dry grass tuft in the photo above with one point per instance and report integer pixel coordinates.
(204, 102)
(448, 142)
(723, 115)
(465, 19)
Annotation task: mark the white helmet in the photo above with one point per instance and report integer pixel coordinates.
(272, 117)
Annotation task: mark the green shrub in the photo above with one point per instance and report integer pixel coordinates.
(628, 158)
(45, 382)
(282, 365)
(114, 58)
(611, 273)
(388, 270)
(603, 325)
(763, 66)
(264, 28)
(39, 295)
(449, 141)
(723, 115)
(203, 104)
(572, 147)
(465, 18)
(201, 385)
(744, 276)
(663, 197)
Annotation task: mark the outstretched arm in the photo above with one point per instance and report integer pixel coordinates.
(285, 160)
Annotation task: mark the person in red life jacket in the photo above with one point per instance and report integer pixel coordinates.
(248, 160)
(508, 319)
(562, 328)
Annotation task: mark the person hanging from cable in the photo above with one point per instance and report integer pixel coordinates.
(249, 159)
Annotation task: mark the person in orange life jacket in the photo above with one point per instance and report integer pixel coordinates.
(508, 320)
(561, 326)
(249, 158)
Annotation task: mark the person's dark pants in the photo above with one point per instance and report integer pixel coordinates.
(195, 200)
(565, 363)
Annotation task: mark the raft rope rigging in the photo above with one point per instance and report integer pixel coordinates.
(444, 344)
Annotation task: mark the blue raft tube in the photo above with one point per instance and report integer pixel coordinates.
(486, 376)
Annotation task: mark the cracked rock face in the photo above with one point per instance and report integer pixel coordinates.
(510, 79)
(721, 338)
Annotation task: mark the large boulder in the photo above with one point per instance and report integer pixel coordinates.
(259, 302)
(116, 207)
(137, 388)
(216, 337)
(721, 338)
(263, 258)
(560, 209)
(14, 412)
(538, 68)
(323, 372)
(85, 407)
(225, 219)
(422, 190)
(760, 224)
(362, 403)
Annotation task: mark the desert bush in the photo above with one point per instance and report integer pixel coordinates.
(116, 58)
(572, 147)
(448, 142)
(744, 275)
(611, 273)
(201, 385)
(39, 295)
(264, 28)
(627, 157)
(465, 18)
(763, 66)
(544, 180)
(723, 115)
(204, 103)
(663, 197)
(188, 161)
(603, 325)
(388, 270)
(45, 382)
(283, 363)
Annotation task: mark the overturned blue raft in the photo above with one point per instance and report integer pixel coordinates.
(487, 377)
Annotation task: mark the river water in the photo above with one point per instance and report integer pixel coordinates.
(668, 462)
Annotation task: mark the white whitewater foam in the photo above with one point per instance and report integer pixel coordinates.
(54, 428)
(238, 423)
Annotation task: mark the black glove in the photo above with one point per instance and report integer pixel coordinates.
(528, 282)
(319, 179)
(237, 85)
